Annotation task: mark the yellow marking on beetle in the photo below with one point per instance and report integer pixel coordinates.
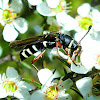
(46, 35)
(28, 50)
(70, 43)
(23, 53)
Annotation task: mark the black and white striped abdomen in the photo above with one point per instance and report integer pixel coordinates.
(32, 49)
(29, 50)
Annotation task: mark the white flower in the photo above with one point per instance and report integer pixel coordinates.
(50, 90)
(11, 85)
(88, 88)
(66, 21)
(90, 54)
(51, 7)
(81, 11)
(88, 16)
(80, 69)
(8, 17)
(91, 58)
(58, 8)
(90, 51)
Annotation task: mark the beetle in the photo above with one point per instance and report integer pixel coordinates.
(48, 41)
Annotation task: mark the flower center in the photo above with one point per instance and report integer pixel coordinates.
(85, 22)
(8, 16)
(51, 92)
(10, 86)
(98, 59)
(96, 86)
(60, 7)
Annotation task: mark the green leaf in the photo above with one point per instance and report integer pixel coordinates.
(33, 81)
(26, 65)
(37, 84)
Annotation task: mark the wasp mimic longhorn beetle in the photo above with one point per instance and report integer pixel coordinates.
(48, 41)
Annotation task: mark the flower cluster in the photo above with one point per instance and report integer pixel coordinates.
(80, 54)
(12, 85)
(10, 20)
(89, 87)
(51, 90)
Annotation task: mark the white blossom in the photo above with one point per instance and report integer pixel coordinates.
(88, 88)
(51, 90)
(11, 85)
(90, 54)
(52, 7)
(87, 16)
(8, 18)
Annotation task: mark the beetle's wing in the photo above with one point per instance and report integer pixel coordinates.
(33, 40)
(28, 41)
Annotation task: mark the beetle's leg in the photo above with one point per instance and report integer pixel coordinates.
(58, 44)
(35, 67)
(37, 57)
(70, 57)
(78, 51)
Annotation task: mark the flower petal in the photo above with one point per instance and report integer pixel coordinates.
(63, 96)
(26, 86)
(84, 9)
(4, 4)
(84, 85)
(62, 17)
(11, 73)
(1, 11)
(9, 33)
(63, 84)
(1, 20)
(1, 6)
(97, 66)
(52, 3)
(20, 24)
(22, 94)
(96, 15)
(79, 35)
(88, 59)
(78, 69)
(68, 22)
(3, 77)
(38, 95)
(3, 93)
(35, 2)
(44, 75)
(96, 26)
(44, 10)
(16, 6)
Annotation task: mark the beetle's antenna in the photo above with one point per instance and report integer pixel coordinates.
(85, 34)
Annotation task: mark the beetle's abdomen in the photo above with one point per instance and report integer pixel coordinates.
(32, 49)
